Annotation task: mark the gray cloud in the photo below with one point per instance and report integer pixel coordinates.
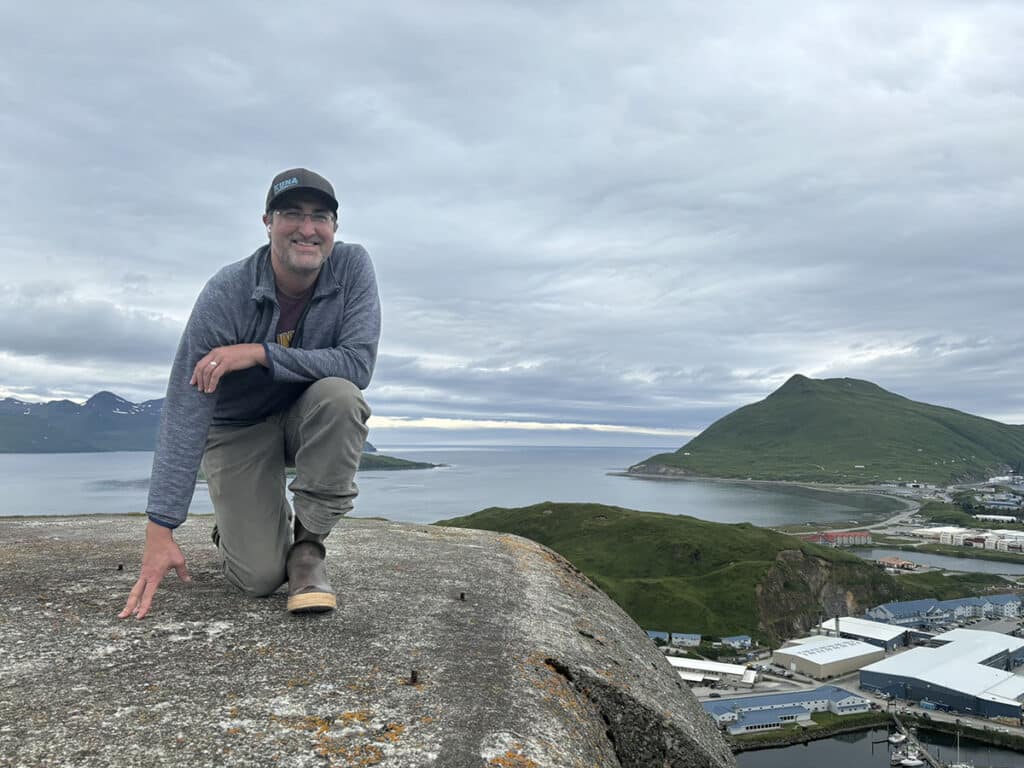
(577, 214)
(51, 323)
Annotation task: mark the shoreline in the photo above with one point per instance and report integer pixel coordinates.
(988, 736)
(908, 506)
(802, 736)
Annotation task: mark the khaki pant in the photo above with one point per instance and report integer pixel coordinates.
(322, 436)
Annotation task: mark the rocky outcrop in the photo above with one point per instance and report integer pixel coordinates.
(799, 589)
(654, 469)
(450, 648)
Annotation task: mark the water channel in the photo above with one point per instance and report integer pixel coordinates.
(867, 749)
(967, 564)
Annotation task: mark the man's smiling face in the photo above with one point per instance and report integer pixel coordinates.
(301, 245)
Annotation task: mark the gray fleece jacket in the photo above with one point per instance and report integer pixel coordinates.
(337, 336)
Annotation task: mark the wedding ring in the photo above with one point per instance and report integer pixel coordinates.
(213, 363)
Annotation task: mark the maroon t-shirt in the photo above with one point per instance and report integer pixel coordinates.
(291, 312)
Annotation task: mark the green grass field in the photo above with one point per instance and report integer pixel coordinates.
(678, 573)
(918, 586)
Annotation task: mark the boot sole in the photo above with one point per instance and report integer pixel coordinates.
(312, 602)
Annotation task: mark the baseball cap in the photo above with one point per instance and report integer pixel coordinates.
(297, 179)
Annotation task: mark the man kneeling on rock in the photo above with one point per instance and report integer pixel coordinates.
(267, 375)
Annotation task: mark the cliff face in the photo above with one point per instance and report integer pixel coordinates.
(450, 648)
(799, 589)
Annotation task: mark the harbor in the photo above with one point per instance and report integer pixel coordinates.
(909, 751)
(871, 749)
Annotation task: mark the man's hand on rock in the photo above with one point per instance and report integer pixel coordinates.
(221, 361)
(160, 555)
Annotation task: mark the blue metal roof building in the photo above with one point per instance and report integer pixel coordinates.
(774, 710)
(923, 613)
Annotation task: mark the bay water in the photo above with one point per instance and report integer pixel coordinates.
(470, 479)
(971, 564)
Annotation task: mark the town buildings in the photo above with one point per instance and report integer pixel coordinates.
(882, 634)
(684, 640)
(823, 658)
(929, 613)
(703, 672)
(739, 642)
(757, 713)
(964, 671)
(839, 538)
(995, 539)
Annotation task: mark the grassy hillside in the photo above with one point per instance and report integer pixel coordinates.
(677, 573)
(845, 431)
(941, 586)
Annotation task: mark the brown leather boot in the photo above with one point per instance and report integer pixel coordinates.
(308, 588)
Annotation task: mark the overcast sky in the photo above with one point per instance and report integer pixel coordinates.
(633, 217)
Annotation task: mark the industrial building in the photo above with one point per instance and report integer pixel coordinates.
(878, 633)
(966, 671)
(702, 672)
(758, 713)
(824, 657)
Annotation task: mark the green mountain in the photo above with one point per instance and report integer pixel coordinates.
(680, 574)
(845, 431)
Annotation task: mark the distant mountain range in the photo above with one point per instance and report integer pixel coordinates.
(845, 431)
(105, 422)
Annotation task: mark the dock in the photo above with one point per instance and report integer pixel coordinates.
(917, 745)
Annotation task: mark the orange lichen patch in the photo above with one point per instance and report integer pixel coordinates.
(303, 723)
(519, 545)
(356, 716)
(233, 731)
(557, 686)
(356, 755)
(392, 732)
(426, 719)
(233, 712)
(513, 760)
(569, 576)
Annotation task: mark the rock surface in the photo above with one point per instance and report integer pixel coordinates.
(450, 648)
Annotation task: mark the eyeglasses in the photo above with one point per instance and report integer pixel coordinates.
(296, 217)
